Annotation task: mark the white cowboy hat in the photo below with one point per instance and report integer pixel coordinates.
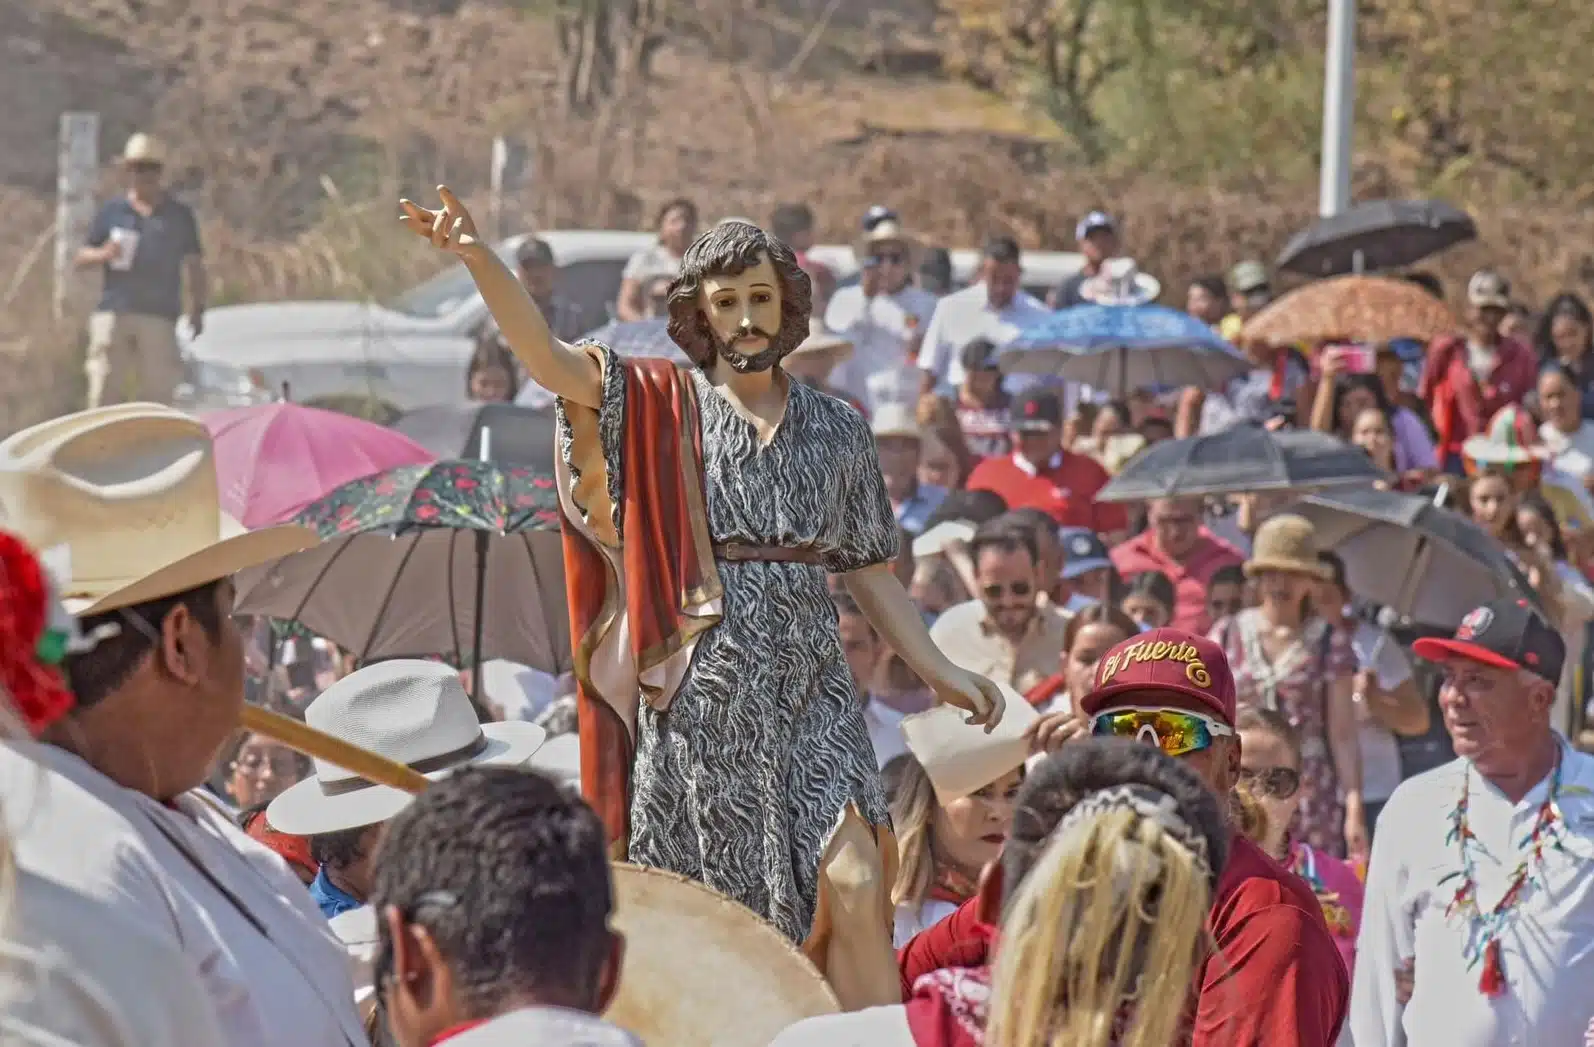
(889, 231)
(130, 494)
(1120, 282)
(560, 759)
(961, 759)
(411, 711)
(143, 149)
(681, 936)
(822, 340)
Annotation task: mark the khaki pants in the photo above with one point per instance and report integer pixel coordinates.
(132, 357)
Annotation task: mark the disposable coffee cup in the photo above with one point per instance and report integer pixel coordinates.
(127, 239)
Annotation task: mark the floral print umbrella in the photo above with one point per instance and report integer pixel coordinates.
(461, 493)
(458, 559)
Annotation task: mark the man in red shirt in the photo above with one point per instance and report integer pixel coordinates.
(1041, 474)
(1467, 378)
(1176, 544)
(1275, 978)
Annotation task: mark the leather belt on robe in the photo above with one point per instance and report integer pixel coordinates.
(739, 552)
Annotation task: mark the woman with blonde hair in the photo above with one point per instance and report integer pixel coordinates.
(1101, 895)
(942, 847)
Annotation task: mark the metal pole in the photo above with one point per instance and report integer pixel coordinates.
(1339, 108)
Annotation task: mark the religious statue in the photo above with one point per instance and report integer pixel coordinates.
(704, 506)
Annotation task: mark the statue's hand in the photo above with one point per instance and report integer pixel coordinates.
(973, 692)
(449, 229)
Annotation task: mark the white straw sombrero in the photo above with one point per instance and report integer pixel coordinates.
(414, 712)
(125, 498)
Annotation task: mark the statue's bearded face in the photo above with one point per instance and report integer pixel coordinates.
(743, 312)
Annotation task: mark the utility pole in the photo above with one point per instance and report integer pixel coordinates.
(1339, 108)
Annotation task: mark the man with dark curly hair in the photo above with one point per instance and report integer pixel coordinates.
(704, 508)
(494, 897)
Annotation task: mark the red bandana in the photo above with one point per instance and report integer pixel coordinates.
(952, 886)
(35, 685)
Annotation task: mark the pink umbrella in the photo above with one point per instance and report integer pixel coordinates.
(272, 460)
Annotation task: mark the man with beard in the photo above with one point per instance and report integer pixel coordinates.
(703, 509)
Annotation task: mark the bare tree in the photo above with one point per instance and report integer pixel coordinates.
(607, 47)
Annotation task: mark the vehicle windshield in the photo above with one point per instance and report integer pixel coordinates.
(439, 296)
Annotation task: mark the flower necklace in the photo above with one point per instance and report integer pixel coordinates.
(1485, 928)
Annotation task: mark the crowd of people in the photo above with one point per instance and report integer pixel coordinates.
(1275, 867)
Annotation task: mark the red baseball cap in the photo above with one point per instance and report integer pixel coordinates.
(1168, 660)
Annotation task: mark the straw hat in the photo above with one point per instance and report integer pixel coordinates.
(961, 759)
(888, 231)
(1120, 282)
(1286, 543)
(822, 340)
(682, 937)
(895, 419)
(143, 149)
(411, 711)
(130, 492)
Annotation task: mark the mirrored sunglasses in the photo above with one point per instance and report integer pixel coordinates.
(1174, 731)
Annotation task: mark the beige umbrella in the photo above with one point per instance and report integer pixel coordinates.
(1351, 309)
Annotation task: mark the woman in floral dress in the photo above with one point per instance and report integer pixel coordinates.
(1287, 659)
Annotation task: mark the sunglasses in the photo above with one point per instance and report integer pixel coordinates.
(1280, 783)
(996, 592)
(1175, 731)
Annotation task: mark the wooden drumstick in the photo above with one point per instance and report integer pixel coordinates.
(320, 745)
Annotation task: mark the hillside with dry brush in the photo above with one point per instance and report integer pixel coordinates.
(295, 127)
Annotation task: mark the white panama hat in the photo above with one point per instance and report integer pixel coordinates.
(411, 711)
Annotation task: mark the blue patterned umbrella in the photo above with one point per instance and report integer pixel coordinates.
(1124, 347)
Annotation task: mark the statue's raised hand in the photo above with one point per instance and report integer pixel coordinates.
(449, 229)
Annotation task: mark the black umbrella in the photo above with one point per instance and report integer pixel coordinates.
(1371, 237)
(1240, 460)
(516, 435)
(1407, 552)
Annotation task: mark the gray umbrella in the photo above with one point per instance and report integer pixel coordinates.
(1240, 460)
(1404, 551)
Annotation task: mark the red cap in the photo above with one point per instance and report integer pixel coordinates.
(1170, 660)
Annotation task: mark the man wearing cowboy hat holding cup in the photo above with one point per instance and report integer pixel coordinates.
(108, 803)
(147, 245)
(884, 315)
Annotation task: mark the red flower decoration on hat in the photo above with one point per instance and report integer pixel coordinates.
(37, 689)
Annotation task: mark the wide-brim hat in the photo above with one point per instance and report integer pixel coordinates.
(1287, 543)
(125, 500)
(823, 340)
(412, 712)
(960, 758)
(889, 231)
(682, 937)
(1120, 282)
(143, 148)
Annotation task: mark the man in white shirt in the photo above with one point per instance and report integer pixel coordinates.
(109, 804)
(1479, 883)
(883, 314)
(997, 308)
